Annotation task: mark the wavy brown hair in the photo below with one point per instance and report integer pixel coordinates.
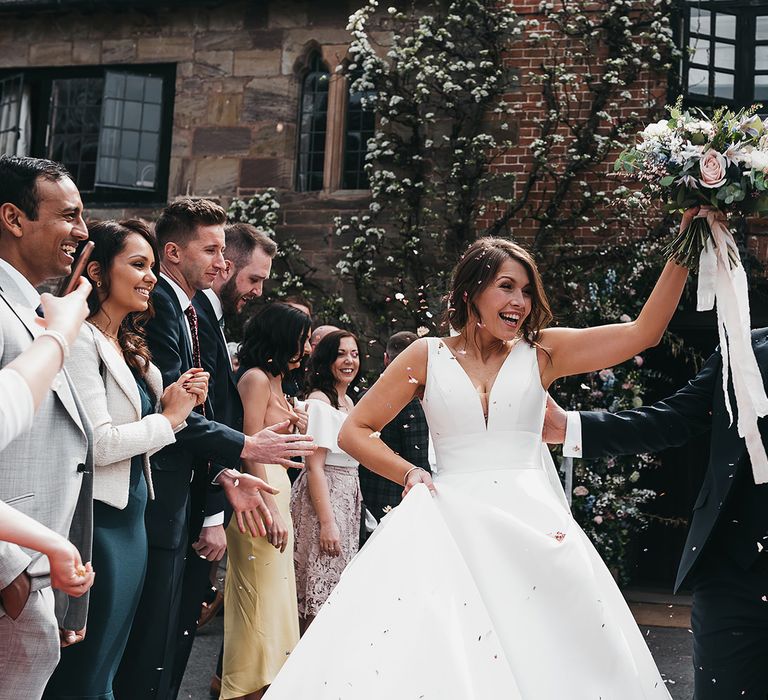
(476, 270)
(109, 237)
(320, 372)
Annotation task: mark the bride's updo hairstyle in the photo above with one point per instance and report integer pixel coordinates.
(477, 268)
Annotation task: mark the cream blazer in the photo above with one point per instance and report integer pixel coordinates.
(108, 391)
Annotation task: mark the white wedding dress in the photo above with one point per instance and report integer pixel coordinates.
(489, 590)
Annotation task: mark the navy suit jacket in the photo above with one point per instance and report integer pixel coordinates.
(222, 388)
(203, 441)
(694, 409)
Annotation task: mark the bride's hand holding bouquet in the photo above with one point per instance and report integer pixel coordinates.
(719, 165)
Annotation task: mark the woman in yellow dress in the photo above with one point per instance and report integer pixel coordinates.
(260, 611)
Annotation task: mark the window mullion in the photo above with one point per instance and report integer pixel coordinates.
(338, 99)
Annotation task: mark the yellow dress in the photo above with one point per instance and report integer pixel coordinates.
(261, 625)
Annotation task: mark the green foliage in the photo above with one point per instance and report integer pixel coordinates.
(447, 112)
(608, 497)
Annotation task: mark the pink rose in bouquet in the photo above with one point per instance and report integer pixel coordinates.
(712, 166)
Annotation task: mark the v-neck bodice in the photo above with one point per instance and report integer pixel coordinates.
(511, 438)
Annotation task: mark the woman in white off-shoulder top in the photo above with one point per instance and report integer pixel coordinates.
(326, 499)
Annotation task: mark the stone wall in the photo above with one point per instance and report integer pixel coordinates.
(236, 97)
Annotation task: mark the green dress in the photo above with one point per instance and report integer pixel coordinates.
(87, 669)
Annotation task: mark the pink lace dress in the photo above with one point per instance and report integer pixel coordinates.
(316, 573)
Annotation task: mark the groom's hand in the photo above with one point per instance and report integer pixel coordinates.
(555, 420)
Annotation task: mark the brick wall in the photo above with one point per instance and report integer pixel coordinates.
(237, 90)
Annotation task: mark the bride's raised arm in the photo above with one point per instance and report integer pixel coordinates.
(578, 350)
(401, 381)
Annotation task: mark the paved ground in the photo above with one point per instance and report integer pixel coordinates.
(671, 647)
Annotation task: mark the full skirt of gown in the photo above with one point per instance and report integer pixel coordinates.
(489, 589)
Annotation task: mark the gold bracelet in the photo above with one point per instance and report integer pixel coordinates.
(405, 478)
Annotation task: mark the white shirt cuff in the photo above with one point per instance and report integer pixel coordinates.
(572, 443)
(214, 520)
(215, 479)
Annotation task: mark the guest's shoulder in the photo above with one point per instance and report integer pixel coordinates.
(319, 396)
(161, 295)
(85, 345)
(253, 379)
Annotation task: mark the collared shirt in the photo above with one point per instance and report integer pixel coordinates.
(26, 288)
(572, 444)
(218, 309)
(185, 302)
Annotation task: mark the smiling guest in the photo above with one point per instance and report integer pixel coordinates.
(190, 234)
(45, 472)
(326, 498)
(132, 417)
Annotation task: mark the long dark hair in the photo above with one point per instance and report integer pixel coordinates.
(320, 374)
(274, 338)
(476, 270)
(109, 237)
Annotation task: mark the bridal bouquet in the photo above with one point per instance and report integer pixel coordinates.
(721, 166)
(689, 160)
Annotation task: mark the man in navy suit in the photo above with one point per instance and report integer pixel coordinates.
(725, 560)
(247, 263)
(190, 235)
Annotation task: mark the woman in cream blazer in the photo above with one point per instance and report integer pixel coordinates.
(132, 417)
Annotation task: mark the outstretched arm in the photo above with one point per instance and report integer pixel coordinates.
(667, 423)
(579, 350)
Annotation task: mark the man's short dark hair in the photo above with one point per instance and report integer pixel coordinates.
(399, 342)
(180, 219)
(242, 239)
(18, 181)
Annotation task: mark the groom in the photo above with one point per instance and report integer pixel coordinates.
(725, 561)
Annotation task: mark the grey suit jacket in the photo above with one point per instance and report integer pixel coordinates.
(47, 471)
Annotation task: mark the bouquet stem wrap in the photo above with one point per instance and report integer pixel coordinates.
(723, 284)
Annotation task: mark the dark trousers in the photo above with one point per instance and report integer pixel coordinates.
(730, 630)
(195, 588)
(145, 671)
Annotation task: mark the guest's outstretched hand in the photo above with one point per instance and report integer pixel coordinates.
(555, 419)
(244, 494)
(271, 446)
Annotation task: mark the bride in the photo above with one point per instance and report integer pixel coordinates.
(481, 585)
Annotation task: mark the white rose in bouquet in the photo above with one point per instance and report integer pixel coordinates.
(758, 160)
(657, 131)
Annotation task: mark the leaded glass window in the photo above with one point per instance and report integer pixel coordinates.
(360, 123)
(74, 127)
(726, 61)
(129, 141)
(13, 105)
(313, 125)
(111, 128)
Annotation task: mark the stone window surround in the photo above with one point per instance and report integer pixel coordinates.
(338, 97)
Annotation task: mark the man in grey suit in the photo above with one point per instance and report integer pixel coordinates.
(47, 471)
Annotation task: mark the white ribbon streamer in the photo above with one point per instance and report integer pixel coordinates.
(724, 285)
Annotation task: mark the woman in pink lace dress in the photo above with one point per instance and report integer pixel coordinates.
(326, 498)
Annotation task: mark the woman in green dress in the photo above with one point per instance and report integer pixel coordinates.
(132, 417)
